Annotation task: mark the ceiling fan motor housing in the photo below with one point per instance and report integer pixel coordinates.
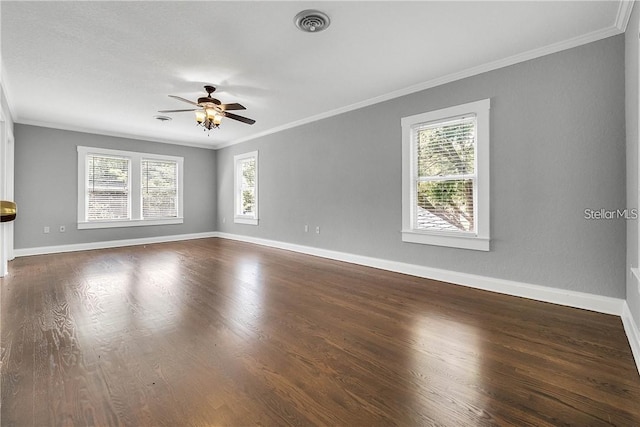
(208, 98)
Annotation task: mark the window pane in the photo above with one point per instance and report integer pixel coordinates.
(248, 201)
(159, 189)
(105, 205)
(108, 188)
(445, 205)
(446, 149)
(247, 186)
(249, 173)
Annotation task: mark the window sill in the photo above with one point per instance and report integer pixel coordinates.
(248, 221)
(453, 241)
(128, 223)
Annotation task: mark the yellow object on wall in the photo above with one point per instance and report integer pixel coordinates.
(7, 211)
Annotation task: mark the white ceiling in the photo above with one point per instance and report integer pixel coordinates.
(107, 67)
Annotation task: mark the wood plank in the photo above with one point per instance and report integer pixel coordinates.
(216, 332)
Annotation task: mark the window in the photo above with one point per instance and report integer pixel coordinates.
(159, 188)
(445, 177)
(246, 188)
(108, 188)
(123, 188)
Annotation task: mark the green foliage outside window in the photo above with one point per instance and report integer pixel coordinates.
(248, 186)
(447, 151)
(159, 189)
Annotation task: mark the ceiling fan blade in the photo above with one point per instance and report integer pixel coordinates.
(232, 106)
(183, 99)
(239, 118)
(177, 111)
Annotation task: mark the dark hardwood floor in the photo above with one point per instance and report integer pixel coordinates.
(217, 332)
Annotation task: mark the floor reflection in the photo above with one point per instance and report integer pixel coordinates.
(447, 362)
(248, 292)
(143, 296)
(216, 332)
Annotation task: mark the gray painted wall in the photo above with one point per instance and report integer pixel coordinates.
(557, 148)
(632, 76)
(46, 185)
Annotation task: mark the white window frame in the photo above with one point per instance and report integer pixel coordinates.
(238, 217)
(135, 189)
(478, 240)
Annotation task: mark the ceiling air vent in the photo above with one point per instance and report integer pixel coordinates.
(312, 21)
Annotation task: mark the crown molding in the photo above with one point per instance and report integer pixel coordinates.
(624, 11)
(112, 134)
(624, 14)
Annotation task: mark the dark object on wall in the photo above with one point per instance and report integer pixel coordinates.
(7, 211)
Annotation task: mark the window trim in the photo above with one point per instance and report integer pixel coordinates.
(237, 199)
(135, 189)
(480, 240)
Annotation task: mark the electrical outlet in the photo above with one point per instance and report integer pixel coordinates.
(63, 229)
(318, 229)
(306, 228)
(46, 230)
(224, 220)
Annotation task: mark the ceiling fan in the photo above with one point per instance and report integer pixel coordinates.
(210, 111)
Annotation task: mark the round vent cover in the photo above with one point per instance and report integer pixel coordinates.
(312, 21)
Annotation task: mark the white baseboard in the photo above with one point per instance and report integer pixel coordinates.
(633, 333)
(109, 244)
(583, 300)
(569, 298)
(598, 303)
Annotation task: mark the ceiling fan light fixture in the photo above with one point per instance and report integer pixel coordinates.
(312, 21)
(210, 111)
(209, 118)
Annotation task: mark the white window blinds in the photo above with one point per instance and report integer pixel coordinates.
(107, 188)
(159, 189)
(118, 188)
(445, 178)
